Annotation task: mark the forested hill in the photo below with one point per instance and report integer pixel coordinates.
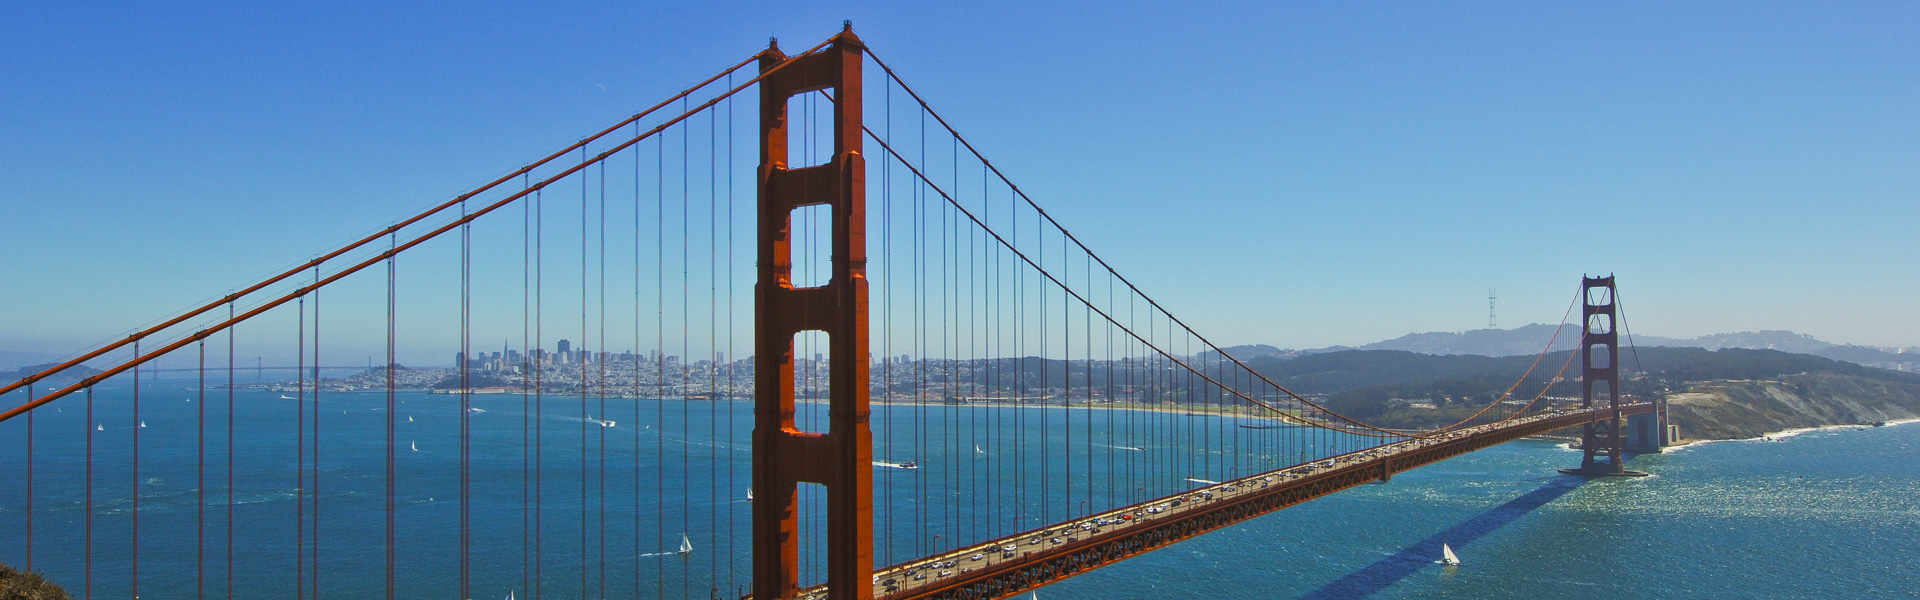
(1380, 385)
(1350, 370)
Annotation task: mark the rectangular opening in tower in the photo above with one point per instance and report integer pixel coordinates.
(1599, 358)
(1601, 388)
(1599, 296)
(1600, 323)
(810, 129)
(811, 375)
(810, 516)
(811, 229)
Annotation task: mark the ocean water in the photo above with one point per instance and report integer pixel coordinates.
(1825, 514)
(1821, 515)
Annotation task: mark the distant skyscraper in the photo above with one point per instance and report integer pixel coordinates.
(565, 346)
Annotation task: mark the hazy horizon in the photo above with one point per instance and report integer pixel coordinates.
(1299, 176)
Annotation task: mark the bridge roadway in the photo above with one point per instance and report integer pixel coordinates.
(1014, 564)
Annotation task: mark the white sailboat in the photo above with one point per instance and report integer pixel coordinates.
(686, 545)
(409, 418)
(1446, 556)
(143, 424)
(749, 494)
(509, 594)
(414, 445)
(99, 428)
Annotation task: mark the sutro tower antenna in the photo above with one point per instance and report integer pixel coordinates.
(1491, 322)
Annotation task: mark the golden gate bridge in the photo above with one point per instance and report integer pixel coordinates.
(945, 393)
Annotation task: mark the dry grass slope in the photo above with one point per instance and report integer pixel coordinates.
(15, 585)
(1740, 409)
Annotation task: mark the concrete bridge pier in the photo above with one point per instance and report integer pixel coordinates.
(1648, 433)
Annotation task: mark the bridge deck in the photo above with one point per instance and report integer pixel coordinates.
(1010, 565)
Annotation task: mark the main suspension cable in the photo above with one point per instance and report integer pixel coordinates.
(392, 250)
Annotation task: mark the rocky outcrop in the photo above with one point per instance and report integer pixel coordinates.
(1739, 409)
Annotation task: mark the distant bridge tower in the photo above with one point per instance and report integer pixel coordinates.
(1601, 439)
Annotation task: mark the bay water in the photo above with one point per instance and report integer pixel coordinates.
(1826, 514)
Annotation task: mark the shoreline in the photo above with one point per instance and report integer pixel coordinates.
(1197, 411)
(1776, 436)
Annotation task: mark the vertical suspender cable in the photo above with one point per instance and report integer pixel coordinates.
(600, 362)
(230, 334)
(713, 342)
(539, 393)
(660, 355)
(731, 584)
(199, 485)
(1019, 459)
(920, 341)
(1112, 477)
(886, 334)
(636, 368)
(582, 355)
(314, 488)
(466, 401)
(300, 454)
(947, 480)
(886, 328)
(390, 419)
(974, 371)
(686, 353)
(540, 361)
(1046, 390)
(526, 376)
(1066, 381)
(29, 481)
(88, 526)
(134, 567)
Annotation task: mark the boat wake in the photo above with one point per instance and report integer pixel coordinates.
(686, 547)
(551, 416)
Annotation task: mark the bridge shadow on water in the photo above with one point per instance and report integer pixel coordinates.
(1385, 572)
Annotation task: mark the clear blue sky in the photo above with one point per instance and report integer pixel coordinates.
(1335, 173)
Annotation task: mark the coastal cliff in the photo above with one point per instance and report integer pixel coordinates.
(1748, 408)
